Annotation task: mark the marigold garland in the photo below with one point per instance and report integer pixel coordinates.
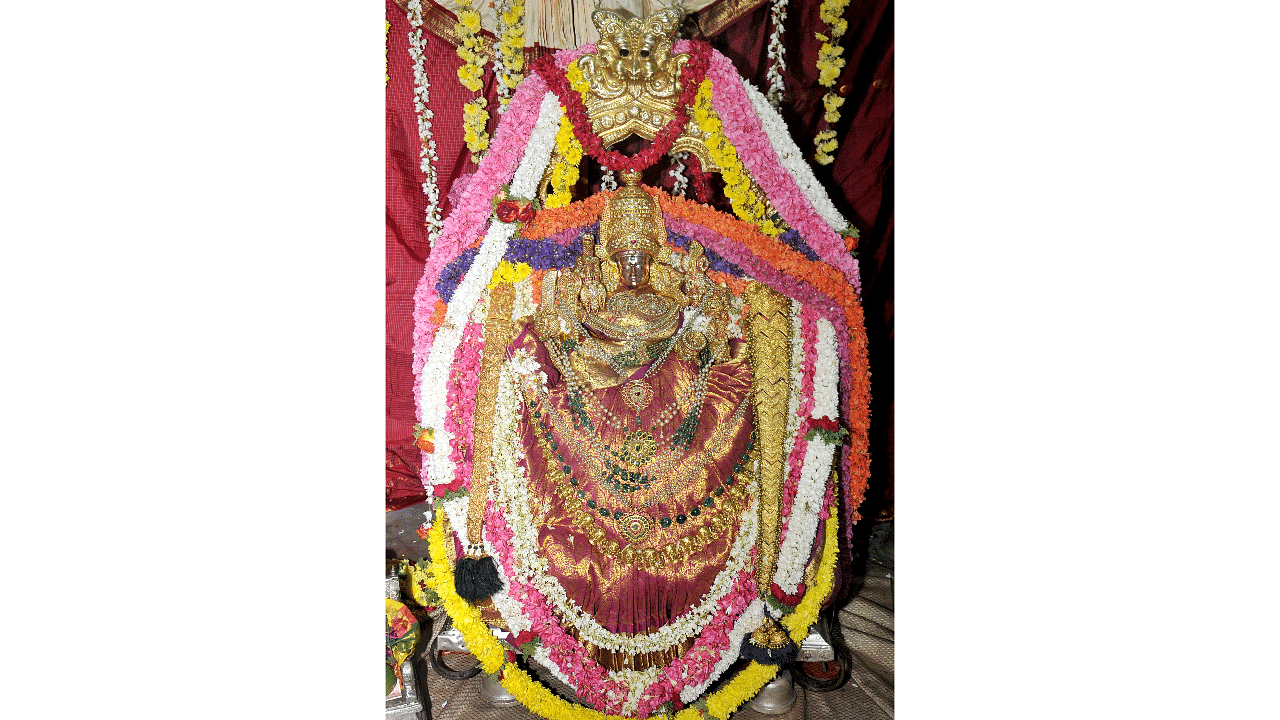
(746, 204)
(565, 173)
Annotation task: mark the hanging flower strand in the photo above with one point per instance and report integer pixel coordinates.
(777, 53)
(830, 63)
(475, 117)
(422, 103)
(508, 62)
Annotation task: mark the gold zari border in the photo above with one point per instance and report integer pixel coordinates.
(498, 333)
(769, 350)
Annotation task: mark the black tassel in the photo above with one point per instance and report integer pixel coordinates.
(769, 645)
(476, 577)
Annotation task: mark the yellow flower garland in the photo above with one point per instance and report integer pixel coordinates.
(830, 63)
(475, 120)
(466, 617)
(746, 204)
(511, 47)
(565, 172)
(574, 75)
(720, 704)
(475, 117)
(471, 49)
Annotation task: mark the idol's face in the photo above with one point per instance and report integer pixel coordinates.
(633, 267)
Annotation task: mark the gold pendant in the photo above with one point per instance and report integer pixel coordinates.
(637, 394)
(635, 527)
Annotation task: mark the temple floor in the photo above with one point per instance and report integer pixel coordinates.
(867, 625)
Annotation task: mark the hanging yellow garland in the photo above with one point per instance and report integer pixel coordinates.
(475, 117)
(565, 173)
(746, 203)
(511, 49)
(720, 704)
(471, 49)
(830, 63)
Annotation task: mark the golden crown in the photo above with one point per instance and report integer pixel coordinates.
(632, 220)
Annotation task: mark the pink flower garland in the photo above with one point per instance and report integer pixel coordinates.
(459, 419)
(743, 128)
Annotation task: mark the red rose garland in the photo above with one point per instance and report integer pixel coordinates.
(691, 77)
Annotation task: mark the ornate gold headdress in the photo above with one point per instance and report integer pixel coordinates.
(632, 220)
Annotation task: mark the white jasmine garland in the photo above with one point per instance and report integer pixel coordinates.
(537, 154)
(826, 397)
(776, 53)
(456, 510)
(794, 553)
(677, 171)
(422, 103)
(608, 181)
(775, 128)
(734, 328)
(500, 70)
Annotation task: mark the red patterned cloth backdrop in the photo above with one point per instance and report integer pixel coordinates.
(860, 182)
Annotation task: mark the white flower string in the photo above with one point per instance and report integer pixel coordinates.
(793, 555)
(608, 181)
(422, 103)
(677, 172)
(776, 53)
(826, 397)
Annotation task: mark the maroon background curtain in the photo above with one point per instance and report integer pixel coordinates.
(860, 182)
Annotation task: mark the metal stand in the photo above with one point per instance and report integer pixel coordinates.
(449, 640)
(777, 697)
(494, 694)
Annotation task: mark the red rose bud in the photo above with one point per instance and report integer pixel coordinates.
(527, 213)
(508, 211)
(422, 531)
